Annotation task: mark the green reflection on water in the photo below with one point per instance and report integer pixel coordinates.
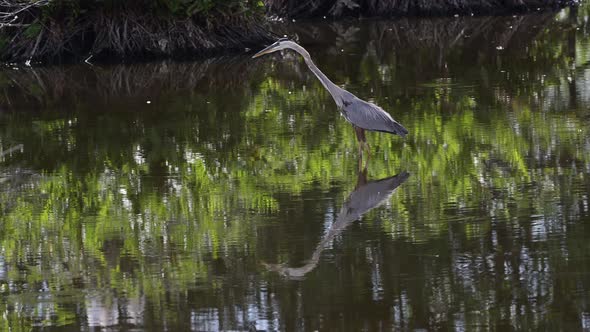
(126, 214)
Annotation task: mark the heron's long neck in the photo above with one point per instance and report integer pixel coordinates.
(331, 87)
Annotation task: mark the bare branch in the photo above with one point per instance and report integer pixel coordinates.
(10, 10)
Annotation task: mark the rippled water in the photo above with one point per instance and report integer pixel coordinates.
(226, 194)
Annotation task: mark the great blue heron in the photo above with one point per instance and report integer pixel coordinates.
(361, 114)
(366, 196)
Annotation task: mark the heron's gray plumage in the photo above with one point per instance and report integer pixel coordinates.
(361, 114)
(369, 195)
(369, 116)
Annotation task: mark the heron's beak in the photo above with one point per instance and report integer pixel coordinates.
(264, 51)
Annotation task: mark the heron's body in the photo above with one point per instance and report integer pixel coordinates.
(368, 116)
(361, 114)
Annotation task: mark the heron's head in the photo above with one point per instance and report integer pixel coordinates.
(277, 46)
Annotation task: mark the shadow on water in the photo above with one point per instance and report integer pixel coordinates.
(47, 88)
(437, 36)
(365, 197)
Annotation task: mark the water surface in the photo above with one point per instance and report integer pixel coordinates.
(225, 194)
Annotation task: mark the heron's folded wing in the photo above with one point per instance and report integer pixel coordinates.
(371, 117)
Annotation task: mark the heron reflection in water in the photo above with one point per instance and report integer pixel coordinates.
(365, 197)
(361, 114)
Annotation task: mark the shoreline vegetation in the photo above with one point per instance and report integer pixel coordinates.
(50, 31)
(75, 30)
(408, 8)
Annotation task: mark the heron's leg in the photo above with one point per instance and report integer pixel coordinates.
(360, 136)
(366, 145)
(360, 161)
(360, 155)
(368, 154)
(361, 177)
(362, 140)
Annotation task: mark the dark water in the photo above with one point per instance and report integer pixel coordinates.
(233, 199)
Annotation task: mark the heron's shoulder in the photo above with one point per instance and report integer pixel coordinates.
(361, 105)
(345, 99)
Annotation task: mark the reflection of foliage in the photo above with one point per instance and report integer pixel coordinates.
(169, 207)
